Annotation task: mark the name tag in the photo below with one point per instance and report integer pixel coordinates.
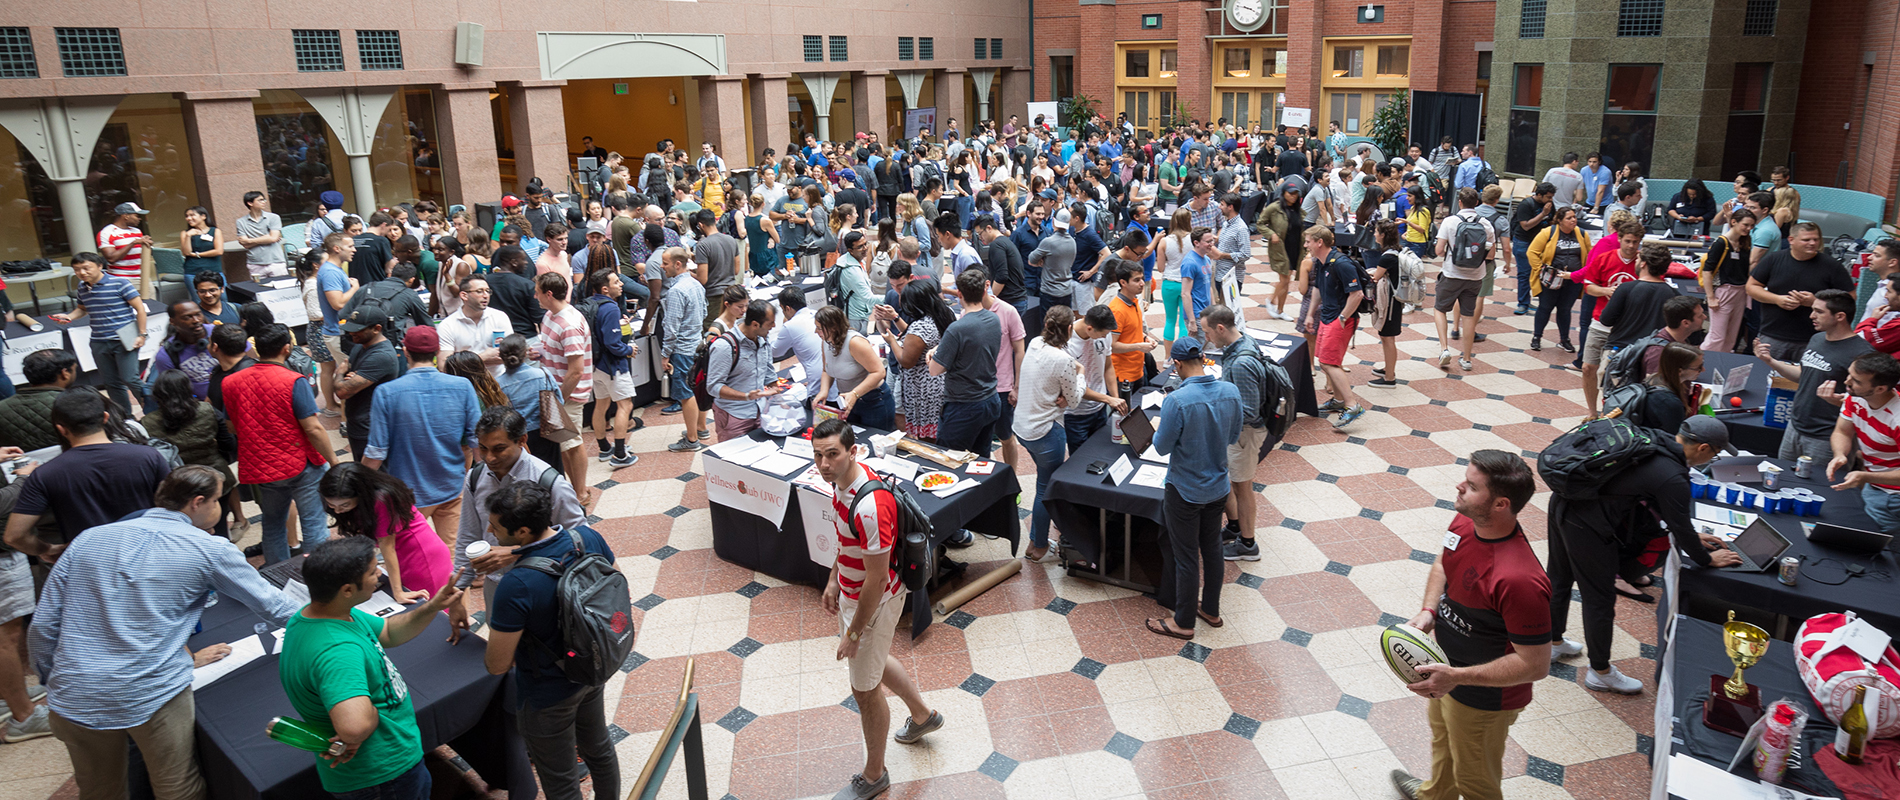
(1451, 540)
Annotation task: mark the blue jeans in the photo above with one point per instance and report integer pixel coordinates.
(119, 368)
(411, 785)
(969, 426)
(875, 410)
(1079, 427)
(6, 385)
(1882, 506)
(273, 500)
(1521, 250)
(1048, 453)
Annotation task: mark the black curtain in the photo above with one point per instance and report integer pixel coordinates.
(1439, 114)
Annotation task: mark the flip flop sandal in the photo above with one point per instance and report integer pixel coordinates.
(1164, 630)
(1210, 619)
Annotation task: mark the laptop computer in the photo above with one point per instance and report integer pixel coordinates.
(1852, 540)
(1139, 430)
(1759, 545)
(1737, 470)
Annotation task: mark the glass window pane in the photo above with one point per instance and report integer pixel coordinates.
(1627, 137)
(1521, 154)
(1240, 108)
(1337, 103)
(1529, 86)
(1238, 62)
(1751, 88)
(1273, 61)
(1395, 60)
(1227, 105)
(1633, 87)
(1352, 113)
(1349, 62)
(1169, 59)
(1137, 64)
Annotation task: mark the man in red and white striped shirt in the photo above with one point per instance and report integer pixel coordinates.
(122, 243)
(1870, 421)
(867, 598)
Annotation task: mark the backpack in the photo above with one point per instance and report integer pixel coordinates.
(1577, 463)
(1626, 367)
(703, 359)
(914, 557)
(1486, 176)
(588, 307)
(1469, 240)
(1434, 185)
(1629, 400)
(1367, 288)
(1411, 290)
(835, 293)
(399, 324)
(596, 613)
(1276, 395)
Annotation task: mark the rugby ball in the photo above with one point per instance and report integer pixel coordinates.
(1406, 649)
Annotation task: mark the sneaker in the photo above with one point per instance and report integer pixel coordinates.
(1566, 346)
(34, 694)
(343, 430)
(912, 731)
(620, 461)
(672, 409)
(1230, 532)
(1479, 339)
(1350, 416)
(1382, 383)
(1331, 407)
(254, 551)
(705, 434)
(1444, 358)
(1464, 363)
(684, 445)
(1565, 648)
(605, 454)
(1406, 784)
(1612, 681)
(1241, 550)
(33, 727)
(1537, 345)
(330, 412)
(861, 789)
(1455, 335)
(1522, 310)
(962, 538)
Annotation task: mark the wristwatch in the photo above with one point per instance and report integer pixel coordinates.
(854, 635)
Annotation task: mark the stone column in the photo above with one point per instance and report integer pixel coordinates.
(60, 132)
(870, 103)
(540, 130)
(722, 118)
(1018, 86)
(470, 172)
(949, 101)
(821, 86)
(771, 111)
(985, 82)
(221, 129)
(1304, 49)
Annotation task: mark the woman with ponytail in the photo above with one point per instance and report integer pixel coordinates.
(1051, 382)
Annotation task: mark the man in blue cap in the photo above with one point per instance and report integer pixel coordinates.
(1198, 422)
(329, 219)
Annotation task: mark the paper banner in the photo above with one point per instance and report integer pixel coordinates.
(748, 490)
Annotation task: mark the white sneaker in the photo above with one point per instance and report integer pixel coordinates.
(1612, 681)
(34, 694)
(1444, 359)
(1564, 648)
(34, 727)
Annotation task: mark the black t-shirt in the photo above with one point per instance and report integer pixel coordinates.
(1730, 264)
(380, 364)
(1781, 274)
(216, 391)
(968, 354)
(514, 295)
(1823, 361)
(858, 198)
(1338, 278)
(1635, 311)
(371, 262)
(1527, 208)
(1290, 163)
(93, 484)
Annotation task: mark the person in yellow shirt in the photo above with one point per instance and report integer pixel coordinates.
(711, 190)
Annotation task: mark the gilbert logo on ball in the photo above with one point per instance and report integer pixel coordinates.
(1406, 649)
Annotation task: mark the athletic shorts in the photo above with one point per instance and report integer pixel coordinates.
(1334, 338)
(1456, 291)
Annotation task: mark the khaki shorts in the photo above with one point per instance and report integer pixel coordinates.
(335, 345)
(1593, 344)
(613, 387)
(573, 411)
(867, 667)
(1243, 457)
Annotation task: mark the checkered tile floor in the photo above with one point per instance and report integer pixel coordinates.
(1050, 685)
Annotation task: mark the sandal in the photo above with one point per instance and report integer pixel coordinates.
(1210, 619)
(1164, 630)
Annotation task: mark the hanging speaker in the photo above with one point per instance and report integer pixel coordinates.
(468, 44)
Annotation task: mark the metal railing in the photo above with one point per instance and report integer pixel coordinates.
(681, 729)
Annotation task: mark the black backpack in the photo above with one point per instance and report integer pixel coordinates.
(1486, 176)
(588, 307)
(1626, 366)
(915, 558)
(1577, 463)
(1469, 239)
(596, 613)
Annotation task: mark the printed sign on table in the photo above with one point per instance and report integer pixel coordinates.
(747, 490)
(821, 526)
(19, 347)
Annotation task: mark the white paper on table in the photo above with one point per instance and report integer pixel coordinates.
(954, 488)
(798, 446)
(1867, 641)
(1151, 476)
(780, 464)
(19, 347)
(298, 593)
(734, 450)
(796, 372)
(382, 605)
(286, 306)
(81, 338)
(1275, 353)
(1153, 399)
(1693, 779)
(902, 468)
(243, 651)
(1151, 454)
(814, 481)
(1119, 471)
(1723, 516)
(983, 468)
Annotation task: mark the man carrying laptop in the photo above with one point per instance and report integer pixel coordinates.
(1590, 540)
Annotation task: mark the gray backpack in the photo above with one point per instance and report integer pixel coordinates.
(596, 613)
(1469, 240)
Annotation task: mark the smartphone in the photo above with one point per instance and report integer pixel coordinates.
(1098, 467)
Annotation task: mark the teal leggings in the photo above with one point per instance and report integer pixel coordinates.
(1171, 302)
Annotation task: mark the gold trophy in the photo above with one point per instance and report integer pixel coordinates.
(1735, 704)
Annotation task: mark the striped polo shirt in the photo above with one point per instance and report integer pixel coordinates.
(109, 303)
(1878, 432)
(126, 266)
(878, 517)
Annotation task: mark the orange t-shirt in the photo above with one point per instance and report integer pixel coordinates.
(1128, 330)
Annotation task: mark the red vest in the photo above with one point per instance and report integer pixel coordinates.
(271, 445)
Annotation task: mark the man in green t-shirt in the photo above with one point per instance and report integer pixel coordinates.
(341, 683)
(1169, 181)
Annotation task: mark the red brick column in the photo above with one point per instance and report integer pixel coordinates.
(722, 118)
(1095, 66)
(1194, 80)
(771, 116)
(1304, 49)
(220, 128)
(466, 126)
(540, 133)
(1428, 41)
(870, 103)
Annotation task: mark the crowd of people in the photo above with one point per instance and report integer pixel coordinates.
(981, 291)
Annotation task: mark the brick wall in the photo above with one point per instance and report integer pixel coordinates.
(1834, 90)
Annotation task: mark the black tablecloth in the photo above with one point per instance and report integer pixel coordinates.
(1873, 596)
(1746, 431)
(457, 703)
(752, 542)
(1699, 654)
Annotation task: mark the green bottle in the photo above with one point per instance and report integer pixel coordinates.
(301, 736)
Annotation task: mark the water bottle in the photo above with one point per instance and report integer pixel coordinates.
(303, 737)
(1115, 428)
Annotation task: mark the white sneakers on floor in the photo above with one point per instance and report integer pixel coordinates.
(1565, 647)
(1612, 681)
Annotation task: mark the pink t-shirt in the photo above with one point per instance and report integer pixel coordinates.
(1012, 324)
(421, 556)
(564, 335)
